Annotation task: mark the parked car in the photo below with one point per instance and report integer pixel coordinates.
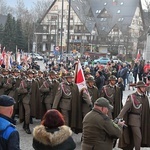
(116, 60)
(36, 56)
(102, 60)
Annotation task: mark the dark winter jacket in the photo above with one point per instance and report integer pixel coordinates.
(53, 139)
(9, 136)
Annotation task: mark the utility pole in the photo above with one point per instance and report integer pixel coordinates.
(68, 35)
(61, 32)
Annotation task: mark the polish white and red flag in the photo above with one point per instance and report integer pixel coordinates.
(18, 57)
(79, 76)
(138, 55)
(1, 57)
(8, 60)
(4, 56)
(80, 80)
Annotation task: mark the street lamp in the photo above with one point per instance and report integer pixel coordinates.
(62, 14)
(92, 37)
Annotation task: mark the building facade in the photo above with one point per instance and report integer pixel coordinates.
(95, 26)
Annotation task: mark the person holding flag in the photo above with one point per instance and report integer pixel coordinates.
(88, 92)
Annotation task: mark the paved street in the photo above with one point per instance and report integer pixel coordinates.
(26, 140)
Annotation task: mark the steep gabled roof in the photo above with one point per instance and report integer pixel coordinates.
(104, 14)
(107, 13)
(51, 5)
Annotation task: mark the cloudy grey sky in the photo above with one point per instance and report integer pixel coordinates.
(28, 3)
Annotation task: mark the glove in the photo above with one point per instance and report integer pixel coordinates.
(91, 106)
(116, 120)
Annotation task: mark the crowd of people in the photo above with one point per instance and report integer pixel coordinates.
(53, 97)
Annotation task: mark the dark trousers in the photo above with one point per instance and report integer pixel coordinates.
(27, 113)
(135, 139)
(66, 115)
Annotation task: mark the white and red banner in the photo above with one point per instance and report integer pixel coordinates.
(79, 76)
(138, 55)
(8, 60)
(3, 56)
(18, 58)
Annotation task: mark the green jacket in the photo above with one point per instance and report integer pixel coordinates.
(99, 131)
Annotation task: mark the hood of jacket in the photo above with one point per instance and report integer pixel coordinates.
(47, 138)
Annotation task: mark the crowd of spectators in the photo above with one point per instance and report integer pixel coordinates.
(127, 72)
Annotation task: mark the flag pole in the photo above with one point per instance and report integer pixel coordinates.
(16, 54)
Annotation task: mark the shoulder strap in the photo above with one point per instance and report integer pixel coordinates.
(134, 102)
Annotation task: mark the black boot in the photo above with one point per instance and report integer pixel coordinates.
(24, 125)
(27, 129)
(31, 120)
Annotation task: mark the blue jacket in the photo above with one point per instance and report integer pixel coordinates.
(9, 136)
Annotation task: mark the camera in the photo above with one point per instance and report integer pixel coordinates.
(117, 120)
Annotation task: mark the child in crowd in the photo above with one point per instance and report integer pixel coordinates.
(131, 80)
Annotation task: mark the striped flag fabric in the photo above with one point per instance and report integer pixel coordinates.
(138, 55)
(79, 76)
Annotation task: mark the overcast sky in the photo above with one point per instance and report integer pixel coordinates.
(28, 3)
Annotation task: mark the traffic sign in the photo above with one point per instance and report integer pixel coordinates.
(57, 48)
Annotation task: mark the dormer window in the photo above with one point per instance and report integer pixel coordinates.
(103, 28)
(78, 8)
(118, 12)
(120, 19)
(98, 11)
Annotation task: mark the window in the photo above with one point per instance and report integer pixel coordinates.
(53, 27)
(71, 27)
(121, 3)
(120, 19)
(118, 12)
(80, 27)
(77, 7)
(53, 17)
(103, 28)
(103, 19)
(105, 11)
(44, 28)
(98, 11)
(115, 29)
(44, 37)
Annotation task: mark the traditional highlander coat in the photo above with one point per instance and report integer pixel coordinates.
(67, 97)
(53, 139)
(40, 81)
(48, 90)
(113, 94)
(93, 91)
(24, 92)
(33, 97)
(136, 104)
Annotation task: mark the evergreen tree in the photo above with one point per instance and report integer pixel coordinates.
(14, 36)
(1, 33)
(7, 34)
(28, 35)
(19, 35)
